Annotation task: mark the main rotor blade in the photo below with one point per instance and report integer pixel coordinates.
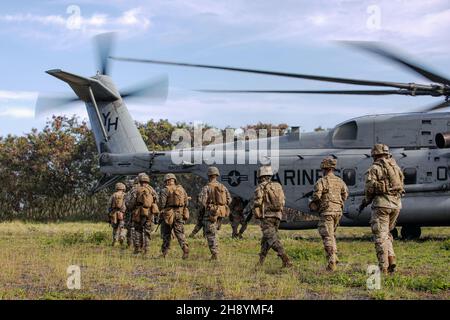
(438, 106)
(155, 89)
(276, 73)
(377, 49)
(104, 43)
(48, 103)
(358, 92)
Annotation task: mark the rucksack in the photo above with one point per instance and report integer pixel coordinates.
(393, 175)
(274, 196)
(144, 197)
(218, 194)
(175, 197)
(118, 200)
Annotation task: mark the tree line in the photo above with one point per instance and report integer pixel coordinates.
(47, 174)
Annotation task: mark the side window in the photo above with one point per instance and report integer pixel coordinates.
(349, 177)
(410, 175)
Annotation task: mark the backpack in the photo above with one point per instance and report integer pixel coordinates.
(393, 174)
(118, 200)
(144, 197)
(274, 197)
(175, 197)
(218, 194)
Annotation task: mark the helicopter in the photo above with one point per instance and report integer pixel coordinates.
(419, 141)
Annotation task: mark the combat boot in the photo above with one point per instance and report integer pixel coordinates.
(113, 244)
(392, 264)
(331, 266)
(286, 261)
(136, 250)
(185, 253)
(213, 257)
(164, 253)
(261, 260)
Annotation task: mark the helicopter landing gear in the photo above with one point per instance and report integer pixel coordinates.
(411, 232)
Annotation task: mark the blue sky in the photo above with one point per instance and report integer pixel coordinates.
(292, 36)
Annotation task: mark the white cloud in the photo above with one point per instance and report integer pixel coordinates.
(64, 30)
(17, 112)
(17, 95)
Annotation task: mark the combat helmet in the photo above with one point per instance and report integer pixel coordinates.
(380, 149)
(170, 176)
(120, 186)
(143, 177)
(265, 171)
(213, 171)
(328, 163)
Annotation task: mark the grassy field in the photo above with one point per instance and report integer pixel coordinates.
(34, 260)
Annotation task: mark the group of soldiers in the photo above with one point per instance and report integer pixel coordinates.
(141, 208)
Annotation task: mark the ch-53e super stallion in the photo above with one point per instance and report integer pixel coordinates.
(420, 142)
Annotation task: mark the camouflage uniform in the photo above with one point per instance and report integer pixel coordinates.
(130, 202)
(116, 214)
(330, 193)
(386, 205)
(173, 216)
(143, 216)
(210, 211)
(264, 209)
(199, 223)
(237, 217)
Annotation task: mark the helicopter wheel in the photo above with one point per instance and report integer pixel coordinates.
(411, 232)
(394, 233)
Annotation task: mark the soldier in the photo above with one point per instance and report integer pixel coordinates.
(384, 189)
(116, 213)
(237, 217)
(268, 206)
(214, 199)
(330, 193)
(130, 202)
(174, 214)
(199, 224)
(146, 209)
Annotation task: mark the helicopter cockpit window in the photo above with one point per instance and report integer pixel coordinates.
(349, 177)
(347, 131)
(410, 175)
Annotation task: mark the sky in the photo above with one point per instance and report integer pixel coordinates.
(291, 36)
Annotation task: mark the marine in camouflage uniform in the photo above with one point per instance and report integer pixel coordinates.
(173, 202)
(143, 215)
(130, 202)
(199, 223)
(384, 189)
(330, 193)
(116, 214)
(237, 217)
(212, 210)
(268, 208)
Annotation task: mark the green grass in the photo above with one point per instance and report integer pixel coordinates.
(34, 258)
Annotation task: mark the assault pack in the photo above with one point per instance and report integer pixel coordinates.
(176, 196)
(393, 176)
(273, 197)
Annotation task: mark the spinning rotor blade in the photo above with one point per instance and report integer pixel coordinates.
(47, 103)
(377, 49)
(104, 43)
(438, 106)
(154, 89)
(357, 92)
(280, 74)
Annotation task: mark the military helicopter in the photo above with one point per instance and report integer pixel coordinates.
(419, 142)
